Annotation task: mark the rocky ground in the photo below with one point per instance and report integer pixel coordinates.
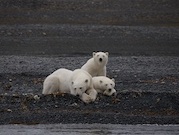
(147, 92)
(38, 37)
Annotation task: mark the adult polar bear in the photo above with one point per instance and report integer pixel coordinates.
(77, 82)
(96, 66)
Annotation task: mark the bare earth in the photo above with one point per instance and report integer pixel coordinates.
(147, 92)
(38, 37)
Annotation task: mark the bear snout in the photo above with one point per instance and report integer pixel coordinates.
(78, 95)
(114, 94)
(100, 59)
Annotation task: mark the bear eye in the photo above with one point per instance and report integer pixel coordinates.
(75, 88)
(111, 84)
(86, 80)
(98, 55)
(72, 82)
(106, 84)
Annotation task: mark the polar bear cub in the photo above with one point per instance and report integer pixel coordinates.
(77, 82)
(104, 85)
(96, 66)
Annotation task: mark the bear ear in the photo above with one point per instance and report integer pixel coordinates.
(94, 53)
(86, 81)
(101, 81)
(113, 79)
(107, 53)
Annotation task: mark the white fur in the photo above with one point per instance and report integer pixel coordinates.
(96, 66)
(104, 85)
(77, 82)
(57, 82)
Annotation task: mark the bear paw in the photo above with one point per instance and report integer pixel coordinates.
(86, 98)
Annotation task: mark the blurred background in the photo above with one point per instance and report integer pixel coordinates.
(79, 27)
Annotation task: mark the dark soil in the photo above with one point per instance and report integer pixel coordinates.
(126, 108)
(147, 90)
(139, 101)
(140, 36)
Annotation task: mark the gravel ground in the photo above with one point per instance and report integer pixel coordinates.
(152, 74)
(147, 92)
(71, 39)
(126, 108)
(38, 37)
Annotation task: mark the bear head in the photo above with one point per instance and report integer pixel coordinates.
(79, 87)
(101, 58)
(108, 87)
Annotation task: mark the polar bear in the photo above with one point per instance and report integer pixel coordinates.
(104, 85)
(81, 84)
(77, 82)
(57, 82)
(96, 66)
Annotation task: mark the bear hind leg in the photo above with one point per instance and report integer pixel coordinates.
(51, 86)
